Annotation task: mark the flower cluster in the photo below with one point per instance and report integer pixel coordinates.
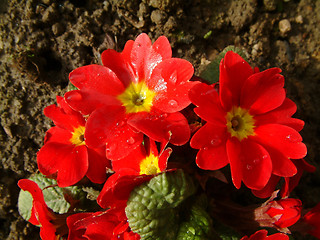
(124, 120)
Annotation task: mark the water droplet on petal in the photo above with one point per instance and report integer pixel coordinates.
(120, 123)
(256, 161)
(205, 148)
(131, 140)
(173, 103)
(249, 167)
(215, 141)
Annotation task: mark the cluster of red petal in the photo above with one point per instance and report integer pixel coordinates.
(312, 218)
(100, 86)
(285, 211)
(52, 226)
(275, 140)
(112, 223)
(262, 235)
(109, 225)
(60, 156)
(118, 186)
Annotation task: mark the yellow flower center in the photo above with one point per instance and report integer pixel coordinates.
(137, 98)
(78, 136)
(150, 165)
(240, 123)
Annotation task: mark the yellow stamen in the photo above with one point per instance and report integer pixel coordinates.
(137, 98)
(78, 136)
(150, 165)
(240, 123)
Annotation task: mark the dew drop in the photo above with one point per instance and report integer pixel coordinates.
(120, 123)
(164, 115)
(215, 141)
(249, 167)
(131, 140)
(110, 149)
(205, 148)
(173, 103)
(264, 156)
(256, 161)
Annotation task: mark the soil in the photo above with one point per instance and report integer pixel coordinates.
(41, 41)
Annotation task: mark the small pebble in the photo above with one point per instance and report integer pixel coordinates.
(158, 16)
(57, 29)
(299, 19)
(284, 26)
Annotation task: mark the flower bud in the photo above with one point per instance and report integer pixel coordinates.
(279, 214)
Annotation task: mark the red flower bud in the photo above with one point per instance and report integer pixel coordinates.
(279, 214)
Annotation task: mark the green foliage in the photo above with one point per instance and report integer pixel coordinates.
(164, 209)
(224, 231)
(211, 72)
(197, 226)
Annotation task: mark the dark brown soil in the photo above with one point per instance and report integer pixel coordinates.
(41, 41)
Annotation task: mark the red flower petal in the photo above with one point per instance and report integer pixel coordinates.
(283, 138)
(144, 56)
(209, 135)
(37, 195)
(98, 78)
(234, 71)
(256, 164)
(162, 46)
(93, 226)
(282, 165)
(108, 126)
(119, 63)
(131, 161)
(234, 152)
(163, 159)
(268, 189)
(262, 235)
(207, 99)
(263, 92)
(281, 115)
(87, 100)
(292, 182)
(173, 127)
(48, 230)
(212, 158)
(64, 120)
(98, 165)
(118, 187)
(58, 135)
(170, 79)
(70, 163)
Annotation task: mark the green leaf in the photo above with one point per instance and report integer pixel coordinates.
(53, 196)
(211, 72)
(153, 207)
(224, 231)
(198, 225)
(25, 204)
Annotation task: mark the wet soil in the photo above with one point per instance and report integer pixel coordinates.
(41, 41)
